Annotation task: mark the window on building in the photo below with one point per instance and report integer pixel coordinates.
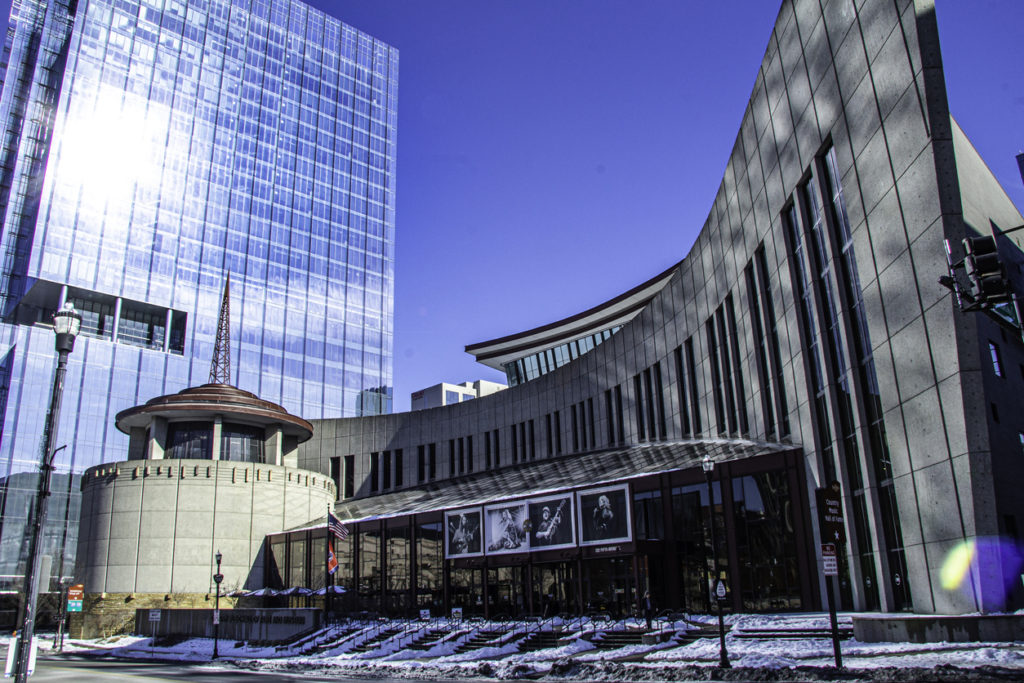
(336, 472)
(241, 443)
(451, 397)
(993, 352)
(649, 519)
(189, 441)
(350, 476)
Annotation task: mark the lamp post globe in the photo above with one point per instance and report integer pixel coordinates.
(67, 323)
(708, 465)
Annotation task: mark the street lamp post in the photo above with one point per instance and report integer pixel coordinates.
(66, 325)
(217, 578)
(708, 466)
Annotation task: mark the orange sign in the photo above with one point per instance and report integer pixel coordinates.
(76, 592)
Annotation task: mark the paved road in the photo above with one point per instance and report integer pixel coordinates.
(94, 669)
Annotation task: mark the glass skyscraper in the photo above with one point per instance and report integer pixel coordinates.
(150, 148)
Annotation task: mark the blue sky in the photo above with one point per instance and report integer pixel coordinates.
(554, 153)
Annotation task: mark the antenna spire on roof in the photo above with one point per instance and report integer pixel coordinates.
(220, 364)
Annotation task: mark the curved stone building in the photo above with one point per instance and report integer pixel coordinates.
(211, 468)
(804, 339)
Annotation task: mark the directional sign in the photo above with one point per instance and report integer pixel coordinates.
(74, 605)
(830, 514)
(76, 592)
(720, 590)
(154, 615)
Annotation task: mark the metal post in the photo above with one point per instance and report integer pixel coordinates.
(833, 621)
(723, 656)
(217, 578)
(62, 610)
(37, 518)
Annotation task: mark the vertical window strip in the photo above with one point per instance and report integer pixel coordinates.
(547, 427)
(349, 472)
(691, 374)
(737, 366)
(574, 422)
(649, 403)
(659, 396)
(718, 377)
(497, 447)
(725, 370)
(373, 473)
(812, 364)
(834, 342)
(609, 412)
(590, 422)
(716, 380)
(421, 463)
(619, 425)
(487, 451)
(772, 326)
(532, 441)
(558, 432)
(469, 453)
(583, 426)
(514, 442)
(432, 461)
(684, 409)
(638, 393)
(878, 443)
(761, 356)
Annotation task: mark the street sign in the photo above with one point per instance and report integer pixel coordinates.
(830, 514)
(720, 590)
(74, 605)
(829, 560)
(216, 616)
(76, 592)
(154, 615)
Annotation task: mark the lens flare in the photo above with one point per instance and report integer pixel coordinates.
(957, 564)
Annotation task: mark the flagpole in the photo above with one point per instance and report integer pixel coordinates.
(328, 577)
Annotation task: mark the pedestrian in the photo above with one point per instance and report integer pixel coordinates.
(648, 608)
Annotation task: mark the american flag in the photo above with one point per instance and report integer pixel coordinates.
(336, 527)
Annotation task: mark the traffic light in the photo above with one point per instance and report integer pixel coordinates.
(985, 271)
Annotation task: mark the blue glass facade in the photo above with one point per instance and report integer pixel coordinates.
(150, 148)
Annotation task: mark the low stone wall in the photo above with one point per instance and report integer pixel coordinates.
(237, 624)
(936, 628)
(108, 614)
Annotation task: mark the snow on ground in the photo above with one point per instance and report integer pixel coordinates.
(761, 658)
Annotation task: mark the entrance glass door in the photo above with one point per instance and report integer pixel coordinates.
(506, 592)
(608, 586)
(554, 589)
(467, 590)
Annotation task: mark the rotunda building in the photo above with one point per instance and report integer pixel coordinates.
(210, 468)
